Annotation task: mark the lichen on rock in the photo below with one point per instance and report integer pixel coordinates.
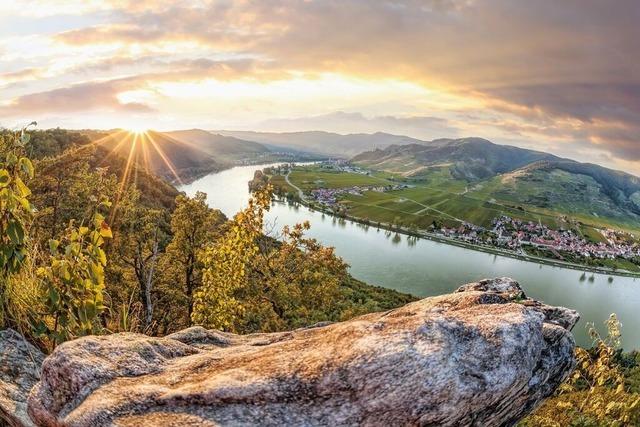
(19, 371)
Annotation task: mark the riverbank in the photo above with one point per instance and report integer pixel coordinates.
(480, 248)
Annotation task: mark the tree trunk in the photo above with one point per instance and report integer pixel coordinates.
(149, 285)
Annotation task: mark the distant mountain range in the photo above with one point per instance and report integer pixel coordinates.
(322, 143)
(514, 175)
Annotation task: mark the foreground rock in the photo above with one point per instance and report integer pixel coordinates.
(19, 371)
(483, 356)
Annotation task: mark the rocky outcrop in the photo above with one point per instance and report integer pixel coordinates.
(19, 371)
(482, 356)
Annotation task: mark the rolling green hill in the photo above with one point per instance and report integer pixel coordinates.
(474, 179)
(468, 158)
(186, 154)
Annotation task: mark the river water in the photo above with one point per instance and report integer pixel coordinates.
(424, 268)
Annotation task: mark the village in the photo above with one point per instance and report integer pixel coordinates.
(516, 234)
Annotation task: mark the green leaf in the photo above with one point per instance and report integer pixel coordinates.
(12, 159)
(15, 231)
(98, 219)
(102, 257)
(24, 203)
(97, 272)
(54, 296)
(90, 309)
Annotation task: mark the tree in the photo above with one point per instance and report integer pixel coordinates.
(15, 213)
(73, 282)
(294, 282)
(15, 208)
(225, 266)
(62, 189)
(138, 243)
(193, 225)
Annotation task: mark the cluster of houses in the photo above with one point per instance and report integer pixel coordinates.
(468, 232)
(512, 233)
(515, 233)
(329, 196)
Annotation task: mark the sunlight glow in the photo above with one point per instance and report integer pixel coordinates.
(137, 129)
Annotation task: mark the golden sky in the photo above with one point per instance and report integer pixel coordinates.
(560, 76)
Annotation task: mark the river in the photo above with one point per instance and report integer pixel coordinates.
(425, 268)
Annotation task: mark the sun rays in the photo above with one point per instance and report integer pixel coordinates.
(141, 149)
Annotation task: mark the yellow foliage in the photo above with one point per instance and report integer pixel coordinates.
(595, 393)
(225, 265)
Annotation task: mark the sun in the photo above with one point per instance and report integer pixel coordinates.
(138, 129)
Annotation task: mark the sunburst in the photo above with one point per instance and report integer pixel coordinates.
(137, 129)
(138, 155)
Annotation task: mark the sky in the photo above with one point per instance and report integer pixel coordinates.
(558, 76)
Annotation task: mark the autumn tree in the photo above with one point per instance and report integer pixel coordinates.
(252, 282)
(193, 225)
(62, 189)
(226, 266)
(295, 281)
(73, 281)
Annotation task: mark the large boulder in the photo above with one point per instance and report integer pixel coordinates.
(482, 356)
(19, 371)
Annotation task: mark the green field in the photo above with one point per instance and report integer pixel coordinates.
(312, 177)
(436, 195)
(278, 181)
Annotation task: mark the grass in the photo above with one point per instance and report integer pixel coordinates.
(278, 181)
(564, 201)
(312, 177)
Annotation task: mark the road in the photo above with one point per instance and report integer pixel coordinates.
(300, 192)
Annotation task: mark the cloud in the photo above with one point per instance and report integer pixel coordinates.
(103, 94)
(110, 34)
(76, 98)
(19, 76)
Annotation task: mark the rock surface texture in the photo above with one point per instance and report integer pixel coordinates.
(482, 356)
(19, 371)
